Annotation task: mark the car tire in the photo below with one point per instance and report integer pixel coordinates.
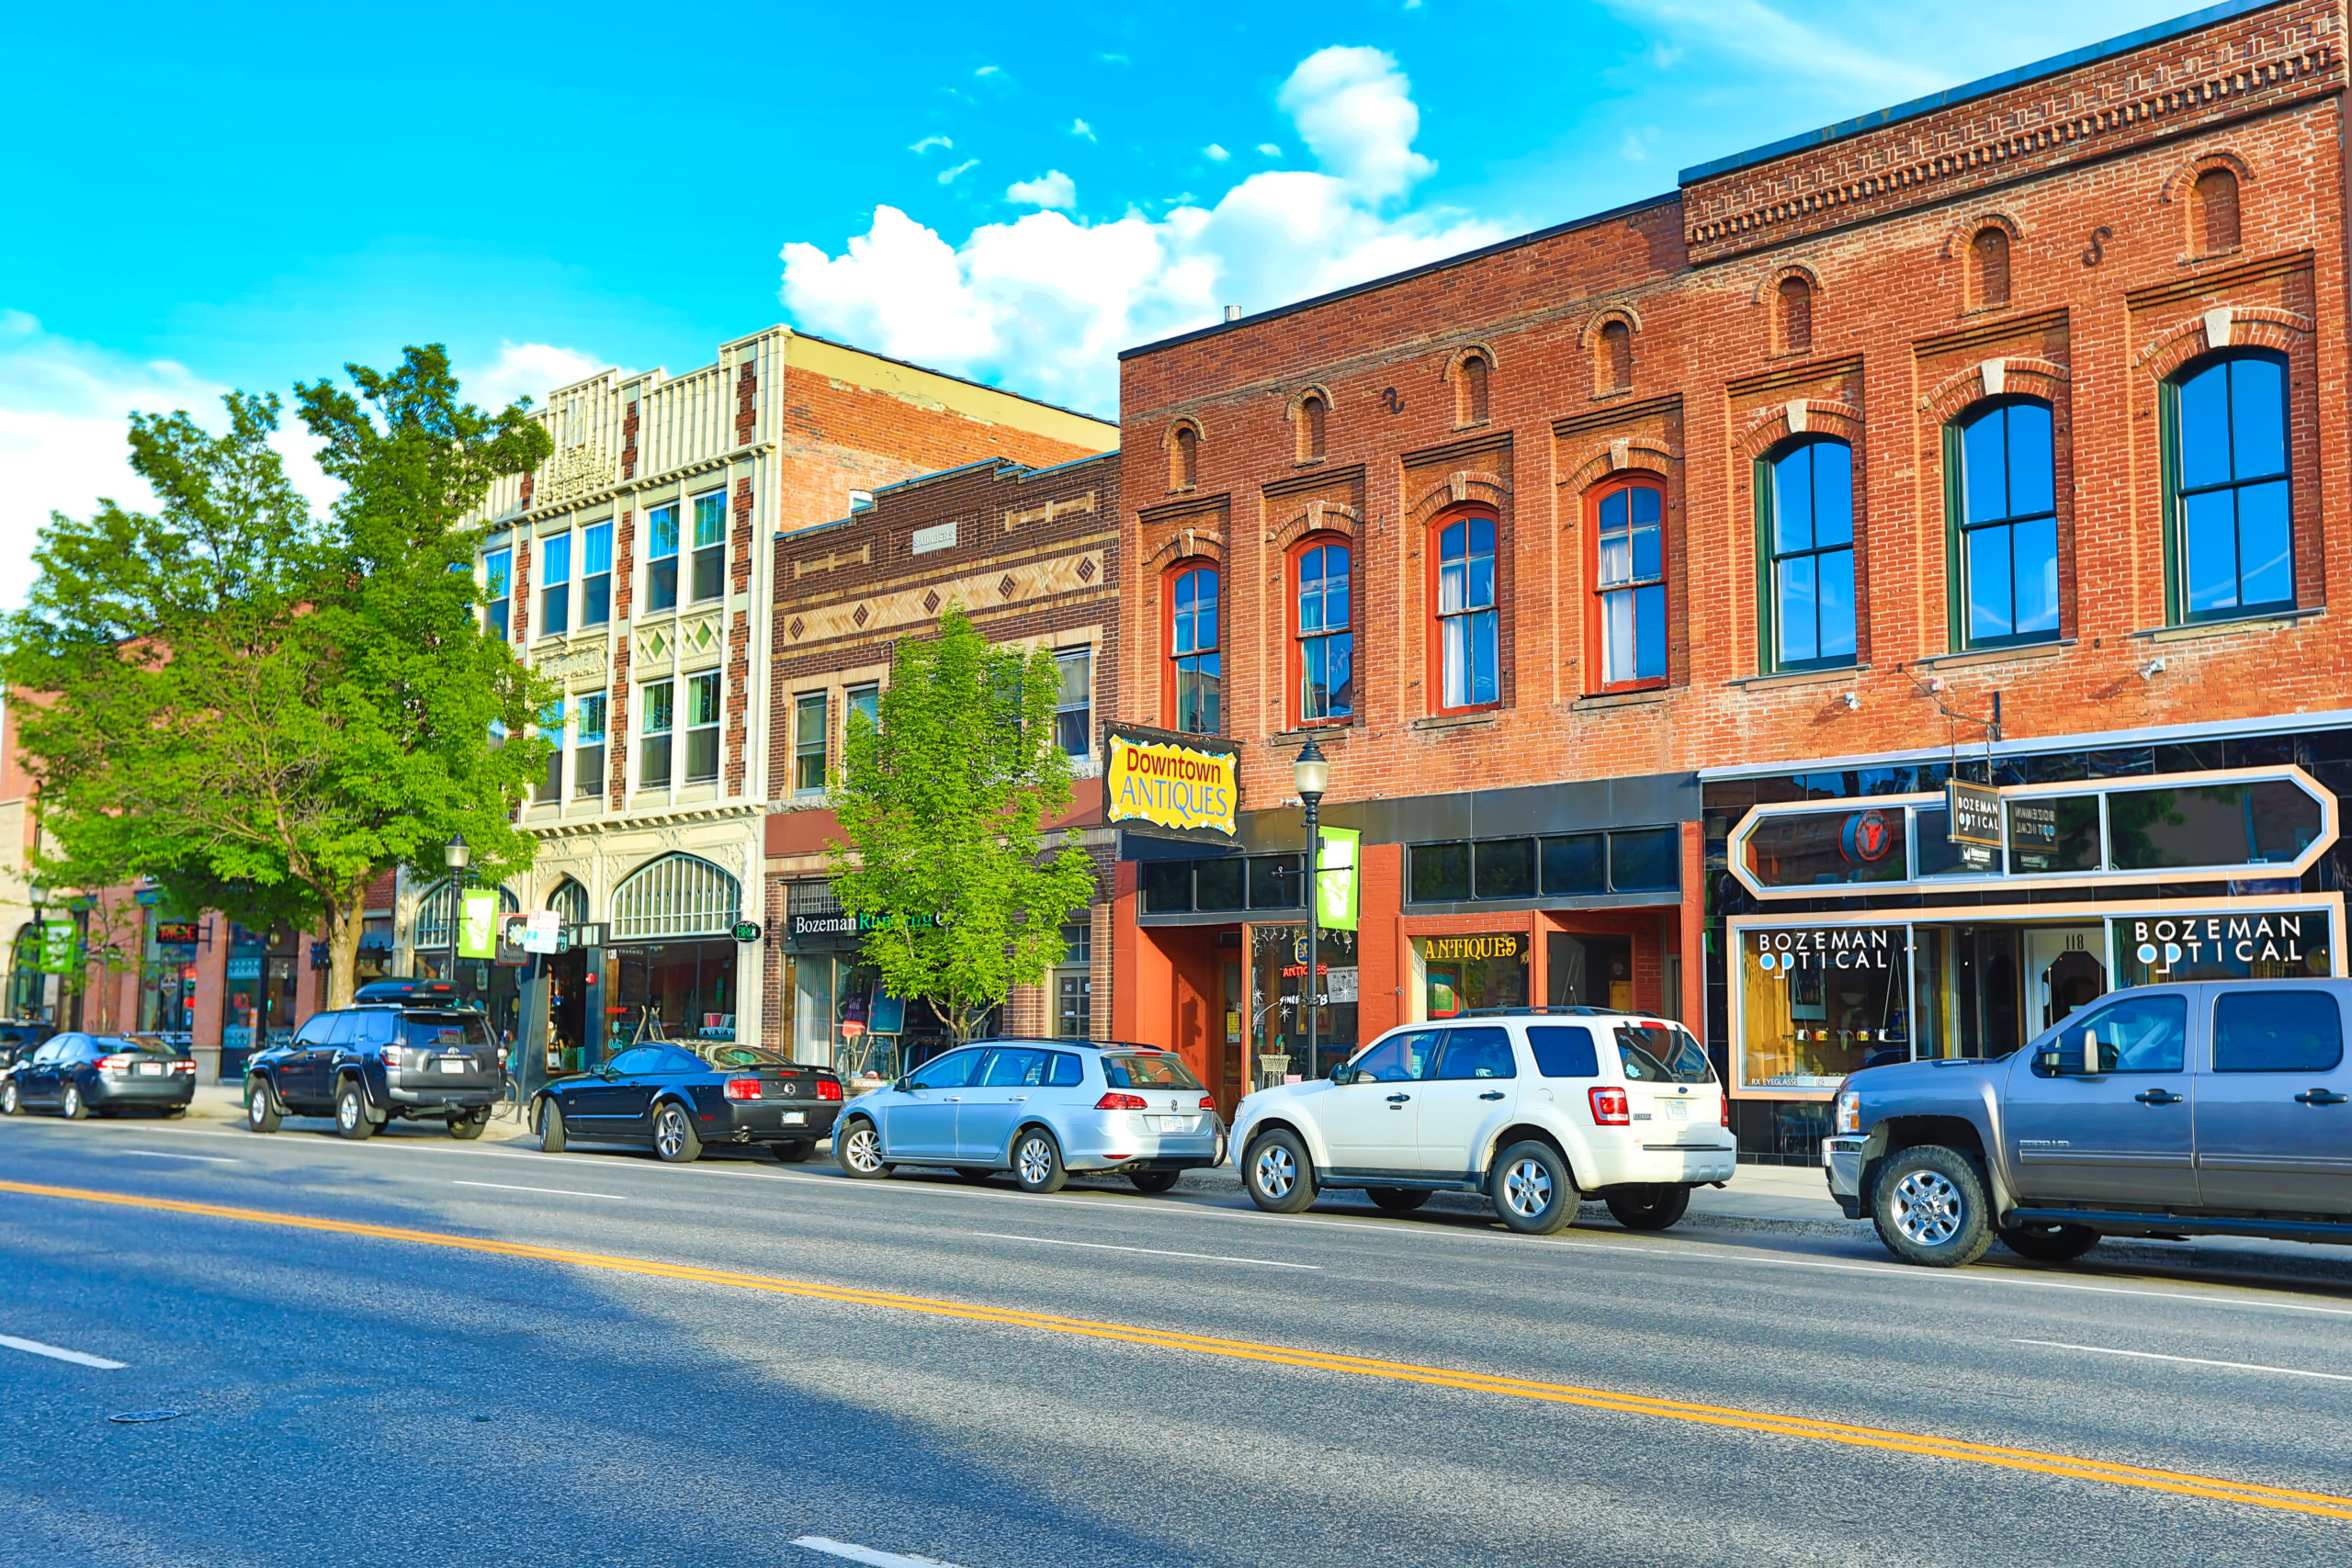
(797, 1152)
(1397, 1200)
(1037, 1161)
(1532, 1192)
(262, 1114)
(173, 1113)
(674, 1138)
(1279, 1173)
(469, 1123)
(69, 1103)
(351, 1118)
(551, 1132)
(977, 1175)
(857, 1149)
(1154, 1180)
(9, 1103)
(1929, 1207)
(2048, 1242)
(1652, 1207)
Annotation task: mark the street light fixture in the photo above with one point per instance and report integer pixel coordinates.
(1311, 774)
(456, 852)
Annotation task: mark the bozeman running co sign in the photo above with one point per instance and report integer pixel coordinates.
(1188, 784)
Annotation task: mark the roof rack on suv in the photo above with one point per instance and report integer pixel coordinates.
(1577, 1012)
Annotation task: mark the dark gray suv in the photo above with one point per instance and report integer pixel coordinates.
(364, 1065)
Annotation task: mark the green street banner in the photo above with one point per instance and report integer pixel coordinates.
(1335, 879)
(478, 923)
(57, 947)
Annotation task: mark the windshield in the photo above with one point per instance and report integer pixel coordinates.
(445, 1031)
(1661, 1052)
(1147, 1072)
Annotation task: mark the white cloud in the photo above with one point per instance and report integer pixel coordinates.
(1215, 153)
(986, 70)
(1270, 149)
(947, 176)
(1079, 128)
(1046, 302)
(927, 142)
(1769, 41)
(1052, 189)
(524, 370)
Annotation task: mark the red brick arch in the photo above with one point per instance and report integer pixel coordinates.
(2017, 376)
(1187, 540)
(2249, 326)
(2178, 184)
(1799, 416)
(1316, 517)
(1644, 454)
(1957, 237)
(1589, 333)
(1464, 486)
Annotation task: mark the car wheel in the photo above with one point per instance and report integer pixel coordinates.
(1037, 1161)
(794, 1153)
(9, 1103)
(261, 1106)
(551, 1127)
(1278, 1173)
(674, 1138)
(1929, 1207)
(173, 1114)
(857, 1149)
(1397, 1199)
(977, 1175)
(1154, 1180)
(69, 1105)
(1652, 1207)
(469, 1124)
(2049, 1244)
(351, 1118)
(1532, 1190)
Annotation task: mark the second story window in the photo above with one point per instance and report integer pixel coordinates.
(1074, 703)
(866, 700)
(2005, 506)
(657, 703)
(1193, 651)
(1326, 641)
(662, 558)
(808, 743)
(702, 727)
(498, 584)
(555, 585)
(1469, 658)
(588, 748)
(552, 781)
(710, 546)
(1806, 497)
(2232, 537)
(1629, 575)
(597, 575)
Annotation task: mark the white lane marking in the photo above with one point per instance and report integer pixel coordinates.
(552, 1191)
(2185, 1360)
(1149, 1251)
(173, 1154)
(57, 1353)
(866, 1554)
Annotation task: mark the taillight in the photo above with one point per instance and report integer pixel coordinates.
(742, 1088)
(1723, 1103)
(1116, 1101)
(1207, 1104)
(117, 1063)
(391, 1057)
(184, 1066)
(828, 1088)
(1610, 1107)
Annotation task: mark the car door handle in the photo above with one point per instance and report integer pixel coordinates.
(1492, 1094)
(2158, 1097)
(1020, 1099)
(1399, 1099)
(2319, 1096)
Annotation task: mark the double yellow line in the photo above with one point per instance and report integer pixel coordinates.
(2324, 1504)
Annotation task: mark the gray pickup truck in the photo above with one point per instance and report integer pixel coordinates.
(2221, 1108)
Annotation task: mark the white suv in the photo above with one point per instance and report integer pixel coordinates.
(1533, 1107)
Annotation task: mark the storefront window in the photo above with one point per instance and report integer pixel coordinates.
(2270, 822)
(1278, 980)
(2050, 832)
(2247, 946)
(1464, 972)
(682, 990)
(1817, 1002)
(1828, 848)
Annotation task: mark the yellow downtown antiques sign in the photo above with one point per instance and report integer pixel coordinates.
(1173, 783)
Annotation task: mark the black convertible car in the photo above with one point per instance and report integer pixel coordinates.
(677, 1097)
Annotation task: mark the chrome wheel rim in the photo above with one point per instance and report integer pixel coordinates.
(1035, 1160)
(9, 1100)
(1276, 1171)
(1527, 1189)
(1928, 1208)
(346, 1112)
(864, 1153)
(669, 1132)
(73, 1100)
(256, 1108)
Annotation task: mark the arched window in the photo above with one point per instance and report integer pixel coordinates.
(1988, 263)
(1312, 417)
(1194, 671)
(2232, 544)
(1184, 458)
(2004, 504)
(2214, 209)
(1629, 581)
(678, 895)
(1470, 394)
(1805, 505)
(1616, 365)
(570, 901)
(1326, 634)
(1793, 324)
(1468, 674)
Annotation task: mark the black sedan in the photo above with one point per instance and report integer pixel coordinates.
(678, 1098)
(76, 1074)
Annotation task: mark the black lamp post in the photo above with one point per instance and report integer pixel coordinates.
(457, 854)
(1312, 775)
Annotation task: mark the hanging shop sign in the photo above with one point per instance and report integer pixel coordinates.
(1973, 814)
(57, 945)
(745, 930)
(1185, 783)
(176, 933)
(1336, 898)
(478, 923)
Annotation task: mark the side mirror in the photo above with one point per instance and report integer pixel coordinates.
(1342, 1072)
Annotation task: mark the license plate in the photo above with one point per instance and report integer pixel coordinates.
(1677, 1110)
(794, 1118)
(1174, 1124)
(453, 1064)
(149, 1070)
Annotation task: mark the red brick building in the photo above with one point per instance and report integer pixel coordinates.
(1679, 554)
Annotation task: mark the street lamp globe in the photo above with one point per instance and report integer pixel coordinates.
(456, 852)
(1311, 774)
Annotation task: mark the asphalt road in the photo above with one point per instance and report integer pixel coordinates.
(592, 1359)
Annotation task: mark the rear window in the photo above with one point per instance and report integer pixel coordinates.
(1660, 1053)
(1147, 1072)
(724, 1055)
(457, 1030)
(1564, 1052)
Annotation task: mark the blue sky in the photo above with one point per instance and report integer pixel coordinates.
(239, 197)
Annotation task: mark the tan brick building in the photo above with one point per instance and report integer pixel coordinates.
(1678, 554)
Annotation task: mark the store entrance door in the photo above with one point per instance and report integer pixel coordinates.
(2066, 969)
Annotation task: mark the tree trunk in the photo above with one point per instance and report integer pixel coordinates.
(346, 916)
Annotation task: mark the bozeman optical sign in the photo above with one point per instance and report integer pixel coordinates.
(1837, 947)
(1472, 947)
(1188, 784)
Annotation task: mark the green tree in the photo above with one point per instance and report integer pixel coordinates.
(941, 807)
(265, 712)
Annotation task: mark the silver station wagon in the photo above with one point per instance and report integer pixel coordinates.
(1041, 1108)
